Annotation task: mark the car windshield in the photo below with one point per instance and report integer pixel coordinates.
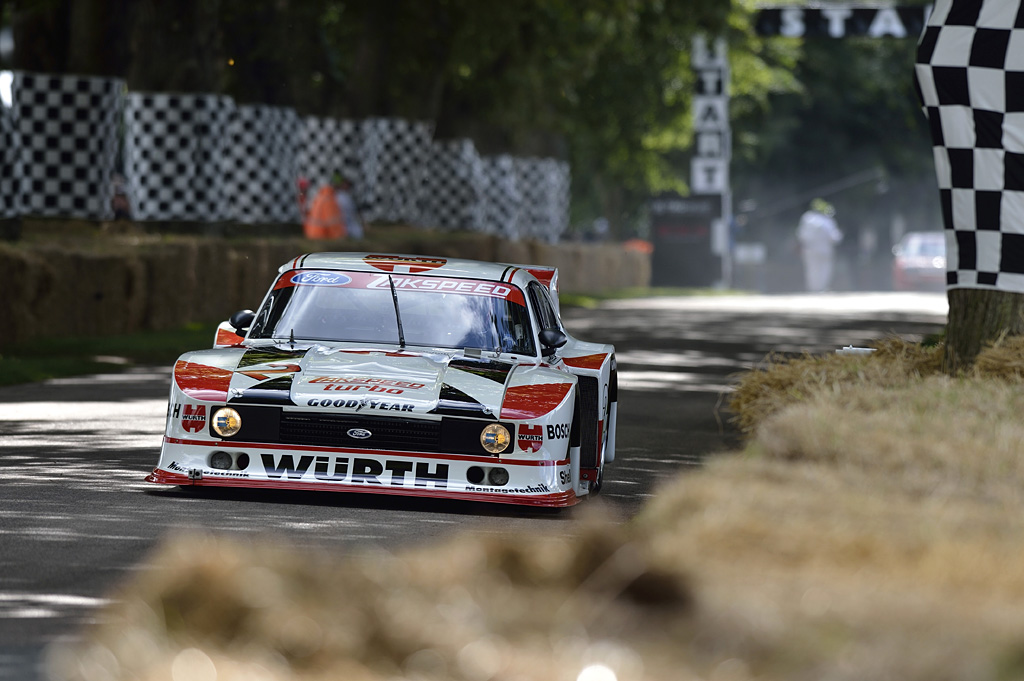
(359, 307)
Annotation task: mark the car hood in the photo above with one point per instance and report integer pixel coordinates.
(342, 381)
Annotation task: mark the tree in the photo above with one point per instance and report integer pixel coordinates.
(61, 36)
(848, 125)
(605, 84)
(978, 317)
(176, 47)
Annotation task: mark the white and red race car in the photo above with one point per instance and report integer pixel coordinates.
(402, 375)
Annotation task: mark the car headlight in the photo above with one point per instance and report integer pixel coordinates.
(495, 438)
(226, 422)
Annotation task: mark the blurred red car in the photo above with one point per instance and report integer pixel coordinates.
(920, 262)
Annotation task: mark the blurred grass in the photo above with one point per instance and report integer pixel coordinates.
(43, 359)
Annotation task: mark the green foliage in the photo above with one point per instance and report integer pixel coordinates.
(842, 109)
(605, 84)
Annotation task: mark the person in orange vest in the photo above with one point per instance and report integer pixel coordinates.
(325, 220)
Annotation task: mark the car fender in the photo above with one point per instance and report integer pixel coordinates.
(227, 336)
(594, 366)
(543, 401)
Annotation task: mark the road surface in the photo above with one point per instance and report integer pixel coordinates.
(76, 518)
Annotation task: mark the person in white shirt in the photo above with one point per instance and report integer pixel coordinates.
(818, 236)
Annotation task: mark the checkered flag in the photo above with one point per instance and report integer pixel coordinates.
(10, 184)
(258, 165)
(199, 157)
(502, 200)
(544, 186)
(452, 188)
(327, 146)
(393, 153)
(175, 146)
(970, 76)
(67, 134)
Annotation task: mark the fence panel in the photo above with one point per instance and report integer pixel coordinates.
(67, 135)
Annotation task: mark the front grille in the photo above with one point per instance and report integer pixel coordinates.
(331, 430)
(449, 435)
(588, 412)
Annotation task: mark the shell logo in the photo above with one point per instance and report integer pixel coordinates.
(404, 265)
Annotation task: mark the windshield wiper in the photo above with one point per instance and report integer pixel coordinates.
(398, 314)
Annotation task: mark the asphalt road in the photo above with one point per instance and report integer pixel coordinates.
(76, 518)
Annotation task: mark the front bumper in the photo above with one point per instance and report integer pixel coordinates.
(530, 482)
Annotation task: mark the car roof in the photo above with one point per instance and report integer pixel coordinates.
(394, 263)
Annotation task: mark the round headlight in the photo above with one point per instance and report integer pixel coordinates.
(495, 438)
(226, 422)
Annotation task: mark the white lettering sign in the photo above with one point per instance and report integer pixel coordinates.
(887, 22)
(792, 23)
(837, 20)
(709, 176)
(703, 58)
(709, 144)
(843, 20)
(710, 113)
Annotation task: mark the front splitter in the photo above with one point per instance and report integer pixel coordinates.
(552, 500)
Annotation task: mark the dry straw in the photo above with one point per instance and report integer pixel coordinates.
(784, 380)
(781, 380)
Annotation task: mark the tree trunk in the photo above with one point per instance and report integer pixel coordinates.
(371, 70)
(977, 317)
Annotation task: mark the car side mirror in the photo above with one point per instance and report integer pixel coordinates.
(552, 339)
(242, 320)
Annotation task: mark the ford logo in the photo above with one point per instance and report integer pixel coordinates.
(317, 278)
(359, 433)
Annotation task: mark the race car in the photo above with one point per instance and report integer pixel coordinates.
(402, 375)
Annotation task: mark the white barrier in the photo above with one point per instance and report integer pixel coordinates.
(203, 158)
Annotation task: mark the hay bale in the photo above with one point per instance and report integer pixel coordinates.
(91, 294)
(27, 282)
(501, 607)
(129, 284)
(783, 380)
(170, 285)
(514, 252)
(1003, 359)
